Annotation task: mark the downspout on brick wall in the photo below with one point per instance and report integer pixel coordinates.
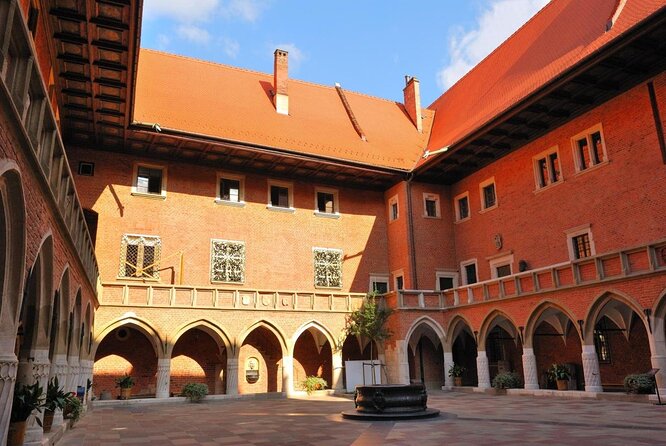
(410, 230)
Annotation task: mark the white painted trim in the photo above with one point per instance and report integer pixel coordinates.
(456, 207)
(135, 178)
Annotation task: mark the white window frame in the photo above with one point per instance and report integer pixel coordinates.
(314, 264)
(212, 242)
(548, 183)
(463, 271)
(135, 179)
(447, 275)
(482, 186)
(575, 232)
(456, 205)
(393, 201)
(290, 188)
(241, 192)
(500, 260)
(156, 241)
(428, 196)
(336, 202)
(587, 134)
(379, 278)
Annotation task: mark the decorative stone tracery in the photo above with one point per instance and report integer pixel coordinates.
(328, 267)
(227, 261)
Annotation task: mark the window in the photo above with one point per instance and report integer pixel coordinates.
(326, 202)
(140, 256)
(468, 269)
(547, 168)
(327, 267)
(86, 169)
(393, 208)
(462, 207)
(399, 282)
(227, 261)
(488, 197)
(280, 196)
(33, 15)
(231, 189)
(149, 180)
(431, 205)
(589, 148)
(581, 243)
(446, 281)
(379, 284)
(501, 265)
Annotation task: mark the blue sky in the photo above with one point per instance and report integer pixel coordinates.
(367, 46)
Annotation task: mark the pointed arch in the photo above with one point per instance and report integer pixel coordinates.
(426, 321)
(490, 322)
(456, 326)
(142, 325)
(270, 327)
(217, 333)
(598, 305)
(535, 319)
(317, 326)
(60, 315)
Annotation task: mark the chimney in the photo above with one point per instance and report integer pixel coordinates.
(280, 76)
(412, 94)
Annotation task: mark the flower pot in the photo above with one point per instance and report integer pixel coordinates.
(562, 384)
(457, 381)
(16, 433)
(47, 422)
(125, 393)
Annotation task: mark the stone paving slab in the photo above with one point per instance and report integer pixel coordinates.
(472, 419)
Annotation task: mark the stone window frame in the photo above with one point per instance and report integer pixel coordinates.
(141, 241)
(336, 202)
(463, 270)
(587, 135)
(456, 205)
(482, 187)
(379, 278)
(399, 274)
(498, 261)
(290, 190)
(447, 275)
(241, 192)
(547, 182)
(393, 204)
(319, 264)
(163, 180)
(212, 260)
(429, 196)
(575, 232)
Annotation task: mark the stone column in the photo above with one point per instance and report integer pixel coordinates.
(288, 375)
(337, 383)
(482, 371)
(530, 369)
(74, 370)
(591, 369)
(163, 378)
(397, 364)
(232, 376)
(59, 368)
(8, 370)
(659, 362)
(86, 374)
(39, 366)
(448, 362)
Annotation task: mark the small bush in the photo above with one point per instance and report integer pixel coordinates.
(506, 380)
(73, 408)
(558, 372)
(639, 383)
(195, 392)
(456, 371)
(312, 383)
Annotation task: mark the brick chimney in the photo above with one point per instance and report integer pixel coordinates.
(412, 94)
(280, 76)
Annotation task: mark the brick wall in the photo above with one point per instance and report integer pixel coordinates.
(196, 358)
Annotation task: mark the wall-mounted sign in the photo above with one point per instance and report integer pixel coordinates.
(252, 370)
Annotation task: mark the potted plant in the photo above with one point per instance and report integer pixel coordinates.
(639, 383)
(73, 409)
(195, 392)
(456, 371)
(312, 383)
(560, 374)
(27, 399)
(125, 383)
(506, 380)
(56, 398)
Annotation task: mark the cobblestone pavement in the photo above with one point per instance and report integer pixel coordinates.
(469, 419)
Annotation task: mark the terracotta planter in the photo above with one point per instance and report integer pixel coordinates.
(562, 384)
(16, 433)
(457, 381)
(125, 393)
(47, 422)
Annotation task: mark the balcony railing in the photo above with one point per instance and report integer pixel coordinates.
(24, 91)
(608, 267)
(157, 295)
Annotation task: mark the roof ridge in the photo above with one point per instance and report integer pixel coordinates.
(510, 37)
(270, 75)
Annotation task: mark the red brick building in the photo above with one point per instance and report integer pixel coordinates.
(187, 221)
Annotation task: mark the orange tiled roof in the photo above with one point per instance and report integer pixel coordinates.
(220, 101)
(562, 34)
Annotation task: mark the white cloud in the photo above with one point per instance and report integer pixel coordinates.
(194, 34)
(495, 23)
(182, 11)
(247, 10)
(163, 41)
(230, 47)
(296, 56)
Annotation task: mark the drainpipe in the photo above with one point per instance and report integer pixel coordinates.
(410, 232)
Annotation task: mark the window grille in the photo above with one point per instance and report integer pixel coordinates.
(581, 246)
(227, 261)
(140, 256)
(328, 267)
